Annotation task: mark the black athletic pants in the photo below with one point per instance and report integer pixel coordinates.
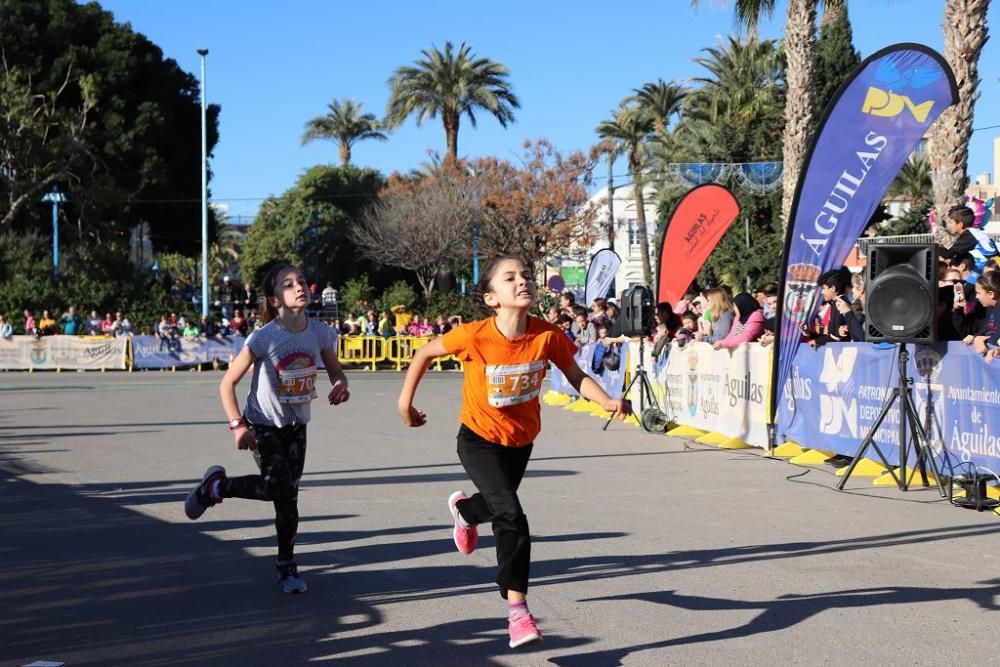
(497, 471)
(280, 455)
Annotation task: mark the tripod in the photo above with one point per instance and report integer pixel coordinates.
(903, 392)
(645, 389)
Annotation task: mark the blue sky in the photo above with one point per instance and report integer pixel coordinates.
(272, 66)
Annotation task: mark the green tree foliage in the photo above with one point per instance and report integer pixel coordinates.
(399, 293)
(355, 293)
(836, 58)
(914, 181)
(92, 107)
(101, 279)
(913, 221)
(451, 84)
(309, 225)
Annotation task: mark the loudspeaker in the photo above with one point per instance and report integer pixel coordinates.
(901, 293)
(637, 311)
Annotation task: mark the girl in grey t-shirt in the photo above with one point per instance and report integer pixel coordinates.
(285, 355)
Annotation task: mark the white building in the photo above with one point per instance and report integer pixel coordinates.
(573, 266)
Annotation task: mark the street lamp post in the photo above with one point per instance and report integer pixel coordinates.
(475, 253)
(204, 193)
(55, 198)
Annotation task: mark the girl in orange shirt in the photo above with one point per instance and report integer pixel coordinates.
(505, 359)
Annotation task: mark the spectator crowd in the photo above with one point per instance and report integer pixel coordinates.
(968, 301)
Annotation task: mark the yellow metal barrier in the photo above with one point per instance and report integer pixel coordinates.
(399, 351)
(363, 350)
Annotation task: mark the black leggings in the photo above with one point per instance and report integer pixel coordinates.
(497, 471)
(280, 456)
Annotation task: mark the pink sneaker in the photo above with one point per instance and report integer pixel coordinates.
(465, 538)
(523, 630)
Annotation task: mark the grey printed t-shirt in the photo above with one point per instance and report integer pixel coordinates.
(284, 372)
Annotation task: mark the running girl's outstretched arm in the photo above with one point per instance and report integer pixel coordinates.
(421, 360)
(238, 367)
(339, 393)
(590, 390)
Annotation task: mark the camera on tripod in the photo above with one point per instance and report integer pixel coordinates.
(637, 309)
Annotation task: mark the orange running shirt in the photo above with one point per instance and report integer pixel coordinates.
(503, 377)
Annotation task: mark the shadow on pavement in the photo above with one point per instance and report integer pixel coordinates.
(781, 613)
(89, 582)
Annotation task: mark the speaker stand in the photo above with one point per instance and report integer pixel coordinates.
(902, 392)
(645, 388)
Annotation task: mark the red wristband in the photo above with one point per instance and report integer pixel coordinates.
(236, 423)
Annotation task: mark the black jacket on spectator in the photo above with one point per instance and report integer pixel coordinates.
(972, 324)
(832, 334)
(855, 326)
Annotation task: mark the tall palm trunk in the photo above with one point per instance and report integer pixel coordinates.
(635, 165)
(345, 153)
(451, 133)
(800, 53)
(965, 33)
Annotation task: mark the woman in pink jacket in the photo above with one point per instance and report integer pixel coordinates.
(747, 327)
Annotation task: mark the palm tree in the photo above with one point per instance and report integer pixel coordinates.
(346, 124)
(743, 81)
(800, 56)
(628, 128)
(451, 84)
(661, 101)
(965, 33)
(914, 182)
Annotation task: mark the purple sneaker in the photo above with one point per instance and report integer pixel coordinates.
(465, 536)
(201, 498)
(523, 630)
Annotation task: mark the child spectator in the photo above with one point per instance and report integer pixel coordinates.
(238, 323)
(584, 331)
(30, 326)
(565, 322)
(976, 242)
(689, 327)
(6, 330)
(107, 325)
(385, 325)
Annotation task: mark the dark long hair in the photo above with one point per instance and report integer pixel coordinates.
(269, 285)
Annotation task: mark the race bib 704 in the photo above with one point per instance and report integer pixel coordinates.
(296, 379)
(510, 384)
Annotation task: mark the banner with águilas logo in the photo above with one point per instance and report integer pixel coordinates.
(873, 124)
(695, 228)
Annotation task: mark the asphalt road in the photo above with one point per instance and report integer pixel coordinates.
(645, 552)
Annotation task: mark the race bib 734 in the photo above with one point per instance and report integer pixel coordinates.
(510, 384)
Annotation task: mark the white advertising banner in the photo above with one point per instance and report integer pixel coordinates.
(722, 391)
(22, 353)
(600, 274)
